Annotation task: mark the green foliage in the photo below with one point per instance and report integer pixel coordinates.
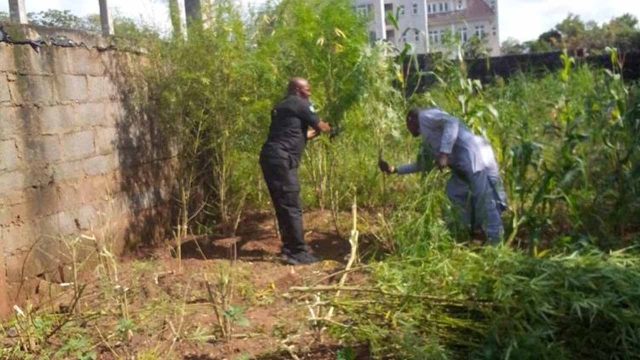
(207, 89)
(575, 34)
(440, 300)
(78, 348)
(124, 27)
(63, 19)
(346, 354)
(567, 144)
(236, 315)
(512, 46)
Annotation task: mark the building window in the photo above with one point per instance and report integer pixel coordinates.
(435, 36)
(391, 35)
(414, 8)
(463, 34)
(388, 9)
(446, 6)
(495, 31)
(480, 31)
(372, 36)
(441, 7)
(460, 5)
(400, 10)
(417, 35)
(363, 10)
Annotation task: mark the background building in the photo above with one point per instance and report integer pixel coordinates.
(425, 23)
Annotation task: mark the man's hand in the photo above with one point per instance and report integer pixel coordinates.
(385, 167)
(443, 160)
(324, 126)
(311, 133)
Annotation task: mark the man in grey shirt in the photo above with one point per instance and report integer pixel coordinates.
(475, 186)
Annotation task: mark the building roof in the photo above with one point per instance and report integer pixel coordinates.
(475, 10)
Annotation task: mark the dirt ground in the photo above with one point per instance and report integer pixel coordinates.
(228, 298)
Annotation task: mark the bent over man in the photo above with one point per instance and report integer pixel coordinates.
(293, 122)
(475, 186)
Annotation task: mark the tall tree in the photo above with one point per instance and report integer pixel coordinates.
(512, 46)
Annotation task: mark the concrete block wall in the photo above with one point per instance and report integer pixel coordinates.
(79, 155)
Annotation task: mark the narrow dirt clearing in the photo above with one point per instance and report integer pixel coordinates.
(206, 306)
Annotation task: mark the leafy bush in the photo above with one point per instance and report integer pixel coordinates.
(453, 302)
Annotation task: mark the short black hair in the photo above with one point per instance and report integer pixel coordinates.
(413, 112)
(295, 83)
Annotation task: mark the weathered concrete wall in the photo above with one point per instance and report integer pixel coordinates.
(80, 154)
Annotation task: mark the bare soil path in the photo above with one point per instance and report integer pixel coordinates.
(227, 298)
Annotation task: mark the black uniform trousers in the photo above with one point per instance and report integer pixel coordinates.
(281, 177)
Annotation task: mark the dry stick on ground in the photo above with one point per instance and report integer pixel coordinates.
(219, 316)
(221, 301)
(106, 343)
(177, 332)
(435, 299)
(353, 240)
(76, 298)
(341, 272)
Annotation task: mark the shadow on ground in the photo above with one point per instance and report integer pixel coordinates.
(257, 240)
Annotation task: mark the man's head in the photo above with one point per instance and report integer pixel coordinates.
(413, 125)
(299, 86)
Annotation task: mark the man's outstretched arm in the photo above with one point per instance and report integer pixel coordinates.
(320, 127)
(400, 170)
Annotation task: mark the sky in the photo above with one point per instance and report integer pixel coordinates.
(520, 19)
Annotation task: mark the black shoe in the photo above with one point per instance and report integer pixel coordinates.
(299, 258)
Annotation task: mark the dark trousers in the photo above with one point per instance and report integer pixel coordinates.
(478, 201)
(282, 180)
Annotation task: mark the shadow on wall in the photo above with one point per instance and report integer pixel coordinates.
(145, 153)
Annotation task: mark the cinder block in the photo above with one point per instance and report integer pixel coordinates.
(61, 58)
(30, 62)
(5, 95)
(89, 190)
(44, 200)
(18, 238)
(11, 181)
(13, 215)
(71, 88)
(89, 115)
(31, 89)
(9, 157)
(78, 145)
(88, 217)
(67, 171)
(99, 88)
(13, 197)
(87, 62)
(7, 60)
(23, 265)
(99, 165)
(77, 220)
(9, 122)
(57, 119)
(40, 150)
(115, 112)
(48, 225)
(51, 148)
(106, 139)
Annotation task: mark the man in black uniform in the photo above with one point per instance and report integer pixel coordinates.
(293, 122)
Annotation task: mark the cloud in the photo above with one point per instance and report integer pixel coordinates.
(527, 19)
